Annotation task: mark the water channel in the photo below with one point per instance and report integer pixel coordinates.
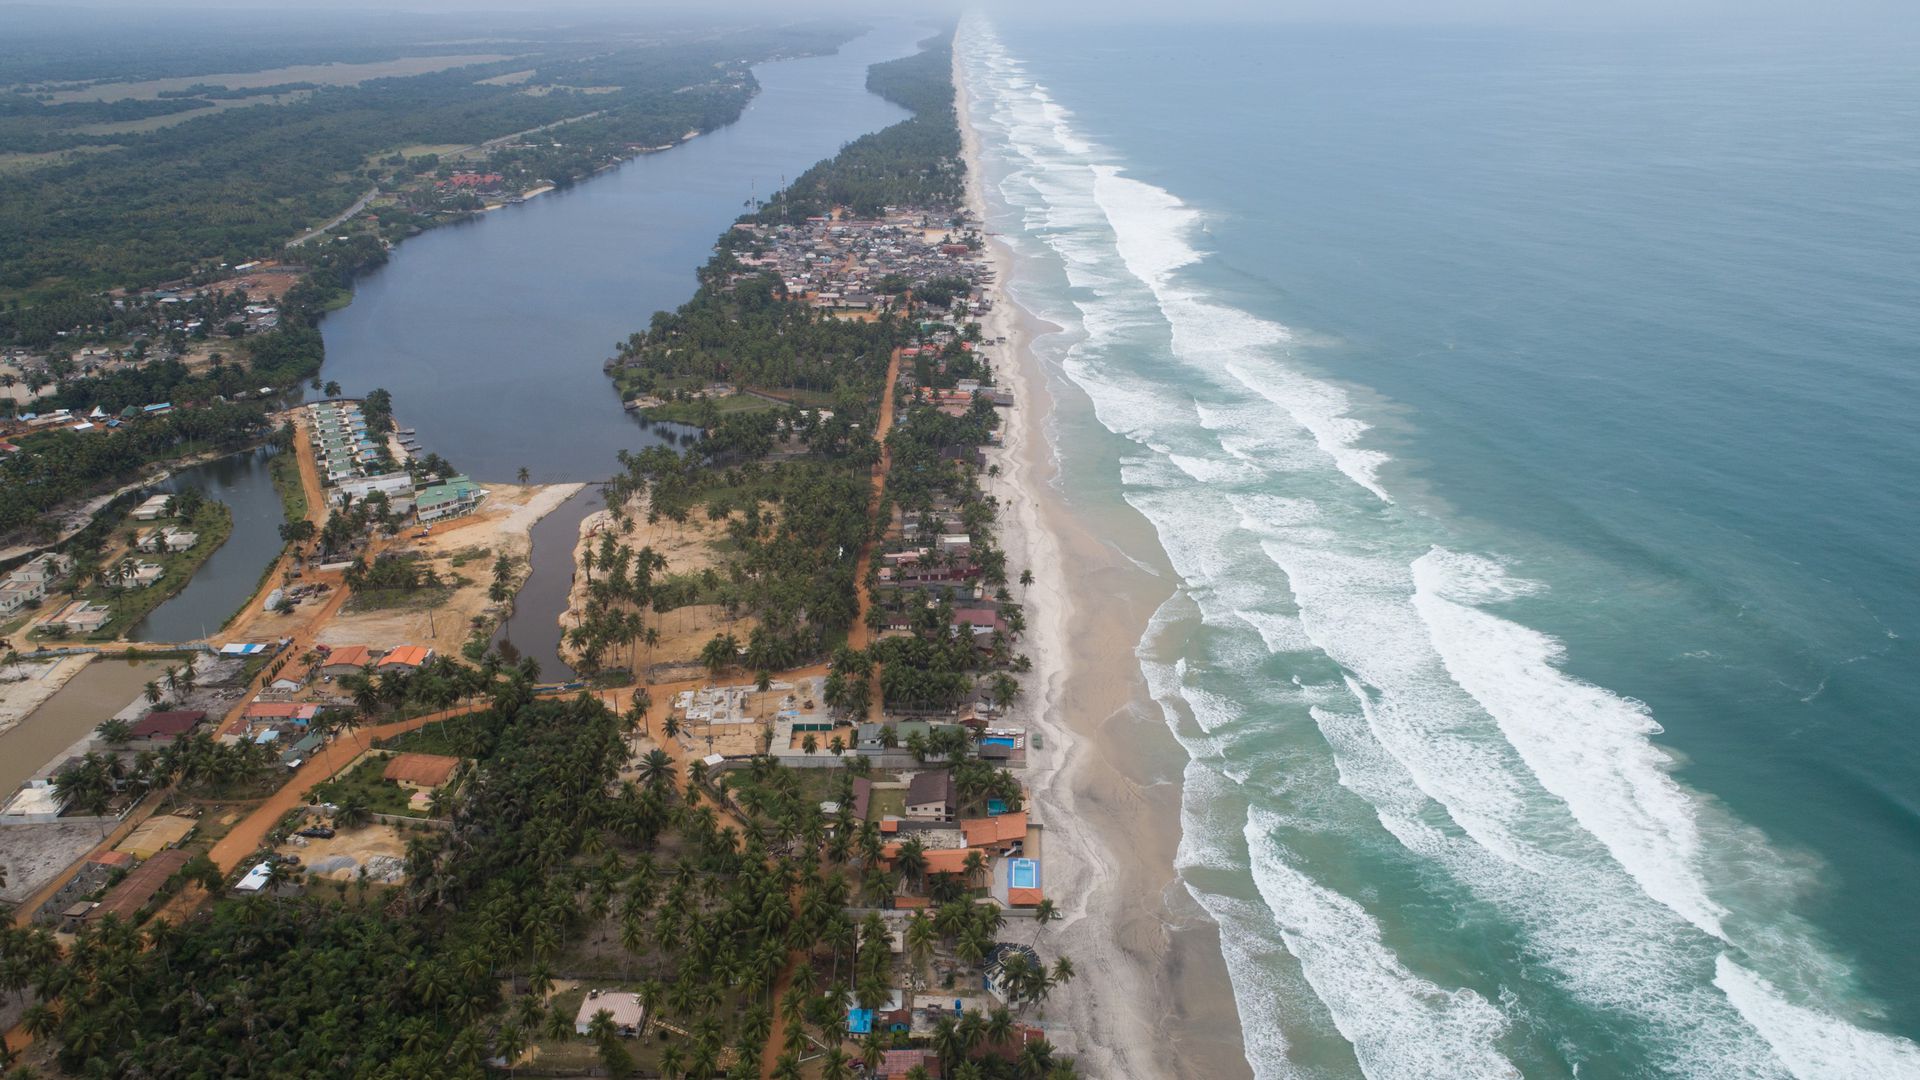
(491, 334)
(232, 573)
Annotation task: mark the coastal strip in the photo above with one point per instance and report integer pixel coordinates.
(1109, 782)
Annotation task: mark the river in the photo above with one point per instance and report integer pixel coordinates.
(491, 334)
(231, 574)
(99, 690)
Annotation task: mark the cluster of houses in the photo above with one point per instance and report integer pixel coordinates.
(300, 690)
(342, 446)
(839, 263)
(30, 584)
(927, 558)
(349, 457)
(480, 183)
(27, 586)
(97, 420)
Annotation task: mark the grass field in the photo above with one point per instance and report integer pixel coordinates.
(323, 74)
(25, 162)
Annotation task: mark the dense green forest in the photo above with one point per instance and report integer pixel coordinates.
(235, 185)
(551, 863)
(313, 987)
(54, 467)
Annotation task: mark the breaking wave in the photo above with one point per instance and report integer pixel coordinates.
(1357, 678)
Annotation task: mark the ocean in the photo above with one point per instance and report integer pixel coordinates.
(1528, 419)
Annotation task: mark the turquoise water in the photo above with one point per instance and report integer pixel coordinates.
(1023, 874)
(1529, 419)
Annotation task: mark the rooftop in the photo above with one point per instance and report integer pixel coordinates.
(167, 725)
(426, 770)
(139, 887)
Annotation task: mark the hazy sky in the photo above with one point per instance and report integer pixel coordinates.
(1413, 11)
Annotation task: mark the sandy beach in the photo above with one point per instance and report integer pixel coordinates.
(1151, 996)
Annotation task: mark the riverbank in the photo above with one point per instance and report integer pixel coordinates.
(461, 552)
(688, 548)
(27, 684)
(1107, 784)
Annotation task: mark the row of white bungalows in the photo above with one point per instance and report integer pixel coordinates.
(342, 445)
(31, 583)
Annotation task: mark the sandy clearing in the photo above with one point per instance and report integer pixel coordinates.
(502, 526)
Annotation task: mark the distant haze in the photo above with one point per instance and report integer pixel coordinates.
(1408, 11)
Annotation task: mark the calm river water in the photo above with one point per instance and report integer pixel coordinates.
(232, 573)
(491, 334)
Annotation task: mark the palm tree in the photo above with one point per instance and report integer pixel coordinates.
(601, 1028)
(280, 873)
(975, 866)
(509, 1042)
(1043, 912)
(656, 769)
(352, 811)
(999, 1027)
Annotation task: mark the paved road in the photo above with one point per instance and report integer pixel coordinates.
(359, 205)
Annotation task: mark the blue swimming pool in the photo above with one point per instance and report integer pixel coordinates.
(1023, 874)
(1000, 740)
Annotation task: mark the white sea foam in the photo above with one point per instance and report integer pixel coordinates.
(1150, 227)
(1539, 795)
(1400, 1024)
(1584, 744)
(1815, 1044)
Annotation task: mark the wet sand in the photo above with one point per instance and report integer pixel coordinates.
(1151, 995)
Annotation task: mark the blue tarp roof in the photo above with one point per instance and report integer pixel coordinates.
(859, 1021)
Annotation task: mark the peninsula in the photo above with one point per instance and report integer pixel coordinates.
(781, 824)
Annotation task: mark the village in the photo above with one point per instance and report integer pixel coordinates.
(307, 752)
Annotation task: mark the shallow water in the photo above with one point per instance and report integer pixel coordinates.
(97, 691)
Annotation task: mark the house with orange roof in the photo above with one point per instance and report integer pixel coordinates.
(405, 656)
(946, 860)
(1003, 833)
(346, 660)
(421, 772)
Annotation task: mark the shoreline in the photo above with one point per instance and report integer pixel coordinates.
(1108, 786)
